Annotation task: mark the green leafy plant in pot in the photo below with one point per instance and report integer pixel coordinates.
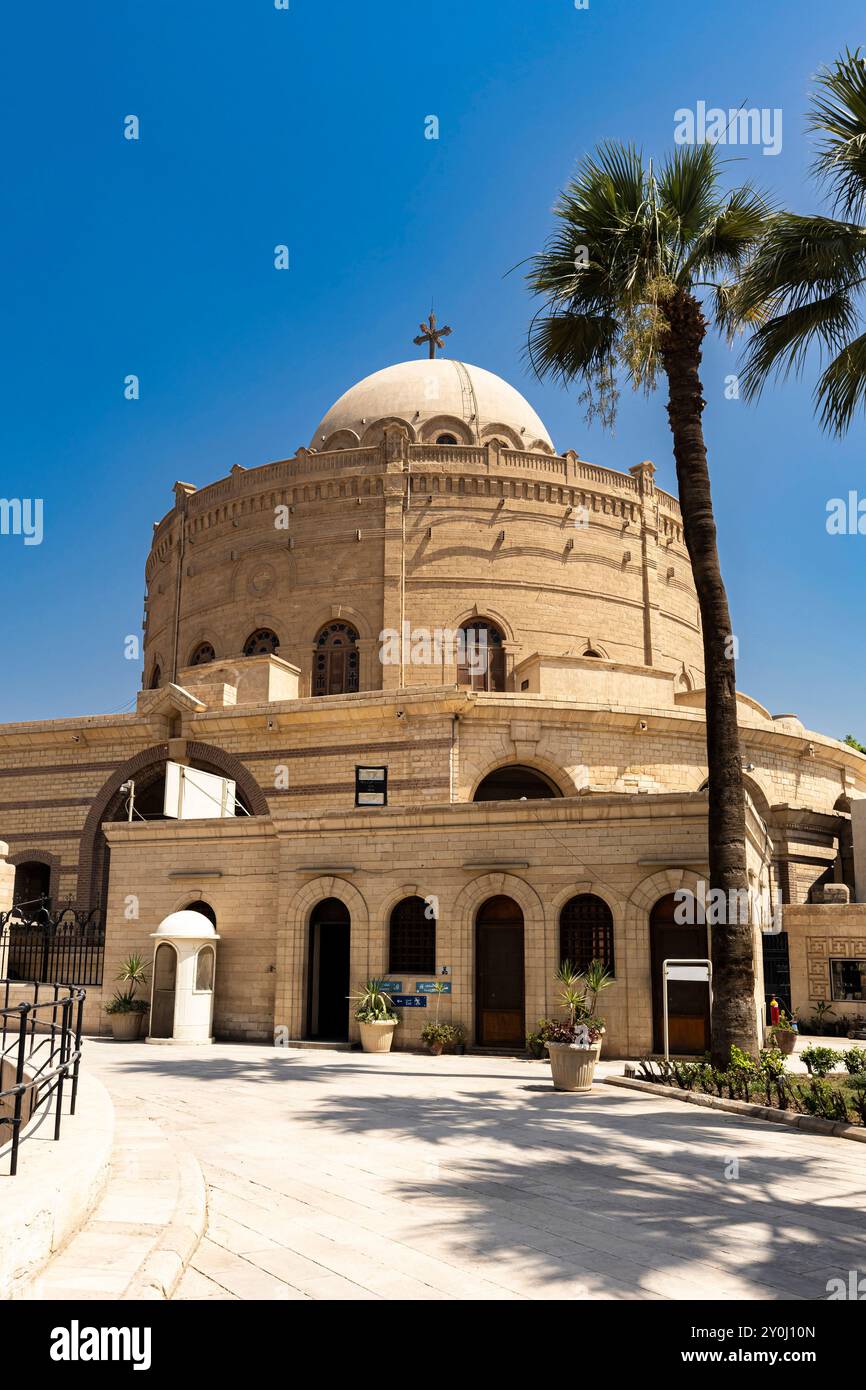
(574, 1043)
(437, 1036)
(125, 1010)
(376, 1016)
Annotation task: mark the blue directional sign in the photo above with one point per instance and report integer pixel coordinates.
(409, 1001)
(390, 986)
(433, 986)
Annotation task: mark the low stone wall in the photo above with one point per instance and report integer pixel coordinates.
(819, 933)
(57, 1185)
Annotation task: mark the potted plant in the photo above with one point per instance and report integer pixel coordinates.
(438, 1036)
(125, 1010)
(376, 1016)
(574, 1044)
(783, 1034)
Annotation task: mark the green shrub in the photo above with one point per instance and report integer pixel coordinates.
(855, 1060)
(820, 1061)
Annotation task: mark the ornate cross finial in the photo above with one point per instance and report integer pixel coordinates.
(432, 335)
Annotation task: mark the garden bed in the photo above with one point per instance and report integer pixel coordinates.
(824, 1101)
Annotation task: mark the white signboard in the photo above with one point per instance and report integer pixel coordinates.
(688, 972)
(194, 795)
(683, 969)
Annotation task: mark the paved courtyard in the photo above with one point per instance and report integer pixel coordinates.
(336, 1175)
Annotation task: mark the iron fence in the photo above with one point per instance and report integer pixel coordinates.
(65, 947)
(41, 1047)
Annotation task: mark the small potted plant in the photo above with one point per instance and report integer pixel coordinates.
(783, 1034)
(438, 1036)
(377, 1018)
(125, 1009)
(574, 1044)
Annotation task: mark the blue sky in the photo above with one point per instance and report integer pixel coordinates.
(306, 127)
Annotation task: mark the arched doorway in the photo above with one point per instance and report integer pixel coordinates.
(328, 972)
(32, 889)
(499, 974)
(514, 782)
(164, 982)
(688, 1001)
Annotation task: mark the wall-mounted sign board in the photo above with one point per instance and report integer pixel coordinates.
(371, 786)
(409, 1001)
(433, 986)
(390, 986)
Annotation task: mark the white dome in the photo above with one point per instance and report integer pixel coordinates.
(186, 924)
(432, 397)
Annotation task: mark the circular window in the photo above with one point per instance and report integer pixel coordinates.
(203, 653)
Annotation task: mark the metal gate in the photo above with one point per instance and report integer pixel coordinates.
(777, 971)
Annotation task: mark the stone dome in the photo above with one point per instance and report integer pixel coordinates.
(439, 401)
(186, 923)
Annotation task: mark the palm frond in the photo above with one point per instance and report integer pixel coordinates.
(803, 257)
(838, 116)
(841, 390)
(567, 346)
(780, 345)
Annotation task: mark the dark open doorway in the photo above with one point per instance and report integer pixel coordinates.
(328, 972)
(499, 987)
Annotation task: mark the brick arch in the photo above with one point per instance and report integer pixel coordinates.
(150, 760)
(536, 933)
(41, 856)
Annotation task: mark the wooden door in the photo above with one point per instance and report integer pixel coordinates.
(688, 1000)
(499, 974)
(164, 982)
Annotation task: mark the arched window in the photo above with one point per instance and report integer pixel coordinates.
(262, 642)
(155, 678)
(203, 653)
(514, 782)
(335, 665)
(204, 968)
(590, 651)
(480, 655)
(446, 439)
(32, 887)
(586, 931)
(413, 938)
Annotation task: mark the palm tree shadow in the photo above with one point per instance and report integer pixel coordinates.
(601, 1197)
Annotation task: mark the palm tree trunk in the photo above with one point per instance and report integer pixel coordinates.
(733, 1013)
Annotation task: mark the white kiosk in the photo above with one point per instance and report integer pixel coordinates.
(184, 966)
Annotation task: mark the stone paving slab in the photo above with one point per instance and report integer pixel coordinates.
(343, 1176)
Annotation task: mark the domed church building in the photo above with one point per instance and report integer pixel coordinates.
(449, 680)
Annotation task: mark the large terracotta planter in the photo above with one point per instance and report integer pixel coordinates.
(125, 1027)
(783, 1039)
(377, 1037)
(573, 1067)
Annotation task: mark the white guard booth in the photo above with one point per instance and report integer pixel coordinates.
(184, 967)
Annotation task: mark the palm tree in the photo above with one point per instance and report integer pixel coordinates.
(803, 283)
(639, 265)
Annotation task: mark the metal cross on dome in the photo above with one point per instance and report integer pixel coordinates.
(432, 334)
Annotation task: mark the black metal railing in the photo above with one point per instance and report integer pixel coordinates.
(41, 1047)
(65, 947)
